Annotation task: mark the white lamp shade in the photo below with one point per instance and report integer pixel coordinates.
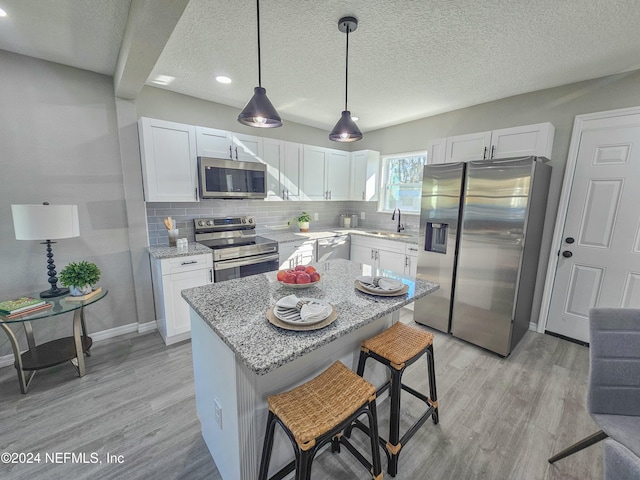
(45, 222)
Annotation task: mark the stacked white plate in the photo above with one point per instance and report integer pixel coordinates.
(293, 316)
(384, 284)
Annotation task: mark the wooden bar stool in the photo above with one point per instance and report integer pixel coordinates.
(398, 347)
(316, 413)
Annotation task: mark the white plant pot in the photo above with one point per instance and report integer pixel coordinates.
(79, 291)
(304, 226)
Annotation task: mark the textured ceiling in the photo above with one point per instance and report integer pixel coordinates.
(408, 58)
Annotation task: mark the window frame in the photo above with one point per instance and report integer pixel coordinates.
(384, 175)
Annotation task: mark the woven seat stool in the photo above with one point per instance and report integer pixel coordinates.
(316, 413)
(398, 347)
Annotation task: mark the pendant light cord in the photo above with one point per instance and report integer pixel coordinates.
(259, 68)
(346, 74)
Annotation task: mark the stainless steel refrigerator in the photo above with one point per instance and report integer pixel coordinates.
(480, 231)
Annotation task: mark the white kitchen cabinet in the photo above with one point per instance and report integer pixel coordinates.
(326, 174)
(536, 139)
(170, 277)
(411, 260)
(365, 171)
(300, 252)
(169, 161)
(283, 168)
(212, 142)
(380, 253)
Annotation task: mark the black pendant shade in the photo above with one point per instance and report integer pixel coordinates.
(259, 111)
(346, 129)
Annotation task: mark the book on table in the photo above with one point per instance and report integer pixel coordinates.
(30, 311)
(19, 305)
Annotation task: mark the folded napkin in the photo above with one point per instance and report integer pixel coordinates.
(309, 312)
(384, 283)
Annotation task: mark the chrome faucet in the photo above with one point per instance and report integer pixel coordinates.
(393, 217)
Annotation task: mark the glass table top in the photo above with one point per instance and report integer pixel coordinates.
(59, 305)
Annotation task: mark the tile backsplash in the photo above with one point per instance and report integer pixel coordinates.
(270, 215)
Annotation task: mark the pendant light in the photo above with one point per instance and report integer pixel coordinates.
(259, 112)
(346, 129)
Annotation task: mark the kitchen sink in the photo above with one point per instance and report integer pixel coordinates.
(389, 234)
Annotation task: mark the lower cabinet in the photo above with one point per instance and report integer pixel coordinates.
(379, 253)
(301, 252)
(170, 277)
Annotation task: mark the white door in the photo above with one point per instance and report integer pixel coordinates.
(338, 172)
(599, 258)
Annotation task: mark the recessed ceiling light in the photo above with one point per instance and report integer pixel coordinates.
(223, 79)
(3, 13)
(355, 118)
(163, 80)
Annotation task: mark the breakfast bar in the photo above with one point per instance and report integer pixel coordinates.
(240, 358)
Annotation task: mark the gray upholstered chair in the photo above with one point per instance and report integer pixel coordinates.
(614, 391)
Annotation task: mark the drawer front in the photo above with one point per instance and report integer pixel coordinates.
(378, 243)
(186, 264)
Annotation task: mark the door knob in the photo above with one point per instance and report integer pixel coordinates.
(569, 240)
(567, 254)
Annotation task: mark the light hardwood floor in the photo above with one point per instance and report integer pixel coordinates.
(499, 418)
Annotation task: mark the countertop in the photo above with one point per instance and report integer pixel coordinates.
(235, 311)
(283, 237)
(290, 236)
(173, 252)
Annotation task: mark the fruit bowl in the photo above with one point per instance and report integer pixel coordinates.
(300, 277)
(299, 285)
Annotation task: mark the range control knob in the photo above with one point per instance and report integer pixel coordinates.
(250, 219)
(209, 223)
(201, 223)
(244, 220)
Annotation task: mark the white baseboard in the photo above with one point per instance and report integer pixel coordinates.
(147, 327)
(7, 360)
(533, 326)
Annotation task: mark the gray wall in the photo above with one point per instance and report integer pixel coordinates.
(59, 143)
(557, 105)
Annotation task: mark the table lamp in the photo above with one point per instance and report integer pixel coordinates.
(46, 222)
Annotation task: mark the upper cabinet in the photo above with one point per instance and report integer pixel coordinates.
(365, 170)
(215, 143)
(522, 141)
(326, 174)
(283, 168)
(169, 161)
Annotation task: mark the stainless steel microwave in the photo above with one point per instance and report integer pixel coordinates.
(220, 178)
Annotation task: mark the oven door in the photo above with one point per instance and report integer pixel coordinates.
(243, 267)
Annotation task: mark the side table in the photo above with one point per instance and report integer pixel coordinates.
(56, 351)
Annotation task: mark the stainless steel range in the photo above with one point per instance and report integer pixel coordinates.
(237, 250)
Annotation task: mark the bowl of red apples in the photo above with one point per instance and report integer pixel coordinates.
(302, 276)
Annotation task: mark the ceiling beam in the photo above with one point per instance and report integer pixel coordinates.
(149, 26)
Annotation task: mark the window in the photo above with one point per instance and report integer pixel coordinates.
(402, 182)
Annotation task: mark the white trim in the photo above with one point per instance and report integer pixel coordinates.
(579, 126)
(147, 327)
(533, 326)
(7, 360)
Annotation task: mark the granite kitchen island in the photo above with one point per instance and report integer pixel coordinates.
(239, 358)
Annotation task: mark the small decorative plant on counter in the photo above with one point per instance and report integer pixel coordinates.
(80, 277)
(303, 221)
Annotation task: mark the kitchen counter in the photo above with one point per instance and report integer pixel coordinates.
(291, 236)
(172, 252)
(239, 358)
(235, 311)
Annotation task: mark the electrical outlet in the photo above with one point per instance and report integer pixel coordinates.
(362, 215)
(315, 216)
(218, 413)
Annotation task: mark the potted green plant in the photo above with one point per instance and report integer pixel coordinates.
(80, 277)
(303, 221)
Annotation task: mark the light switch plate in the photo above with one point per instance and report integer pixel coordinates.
(362, 215)
(315, 216)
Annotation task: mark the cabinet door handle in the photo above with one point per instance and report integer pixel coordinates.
(484, 154)
(363, 195)
(236, 153)
(211, 275)
(371, 254)
(329, 194)
(230, 153)
(189, 263)
(196, 193)
(411, 249)
(493, 150)
(284, 193)
(406, 261)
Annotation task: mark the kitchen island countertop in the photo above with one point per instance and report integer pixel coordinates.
(235, 311)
